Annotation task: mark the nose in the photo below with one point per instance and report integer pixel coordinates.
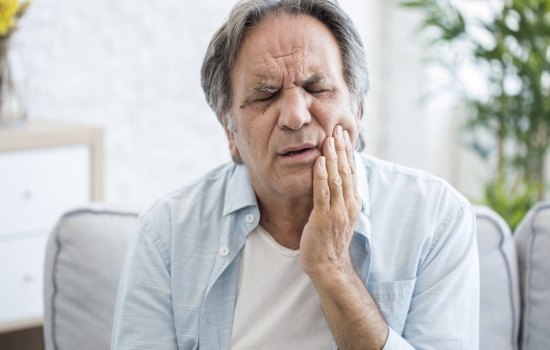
(294, 111)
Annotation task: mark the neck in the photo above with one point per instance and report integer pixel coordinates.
(285, 219)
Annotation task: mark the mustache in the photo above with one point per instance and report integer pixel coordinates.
(303, 137)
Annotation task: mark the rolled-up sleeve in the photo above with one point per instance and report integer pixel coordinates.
(396, 342)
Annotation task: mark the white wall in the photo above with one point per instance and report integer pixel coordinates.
(403, 127)
(132, 67)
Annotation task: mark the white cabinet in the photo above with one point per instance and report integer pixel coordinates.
(37, 185)
(21, 275)
(45, 169)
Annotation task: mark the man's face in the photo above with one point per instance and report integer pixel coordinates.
(289, 93)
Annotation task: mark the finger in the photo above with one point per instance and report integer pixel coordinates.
(321, 191)
(349, 152)
(344, 170)
(334, 180)
(351, 162)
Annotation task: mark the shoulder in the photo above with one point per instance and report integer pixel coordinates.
(415, 210)
(412, 200)
(192, 205)
(384, 171)
(210, 185)
(392, 181)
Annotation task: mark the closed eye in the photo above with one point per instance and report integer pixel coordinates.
(264, 92)
(321, 92)
(266, 98)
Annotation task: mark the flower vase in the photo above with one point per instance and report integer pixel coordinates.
(12, 99)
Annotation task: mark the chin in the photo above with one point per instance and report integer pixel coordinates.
(297, 186)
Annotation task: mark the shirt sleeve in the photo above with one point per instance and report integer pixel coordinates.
(143, 316)
(444, 310)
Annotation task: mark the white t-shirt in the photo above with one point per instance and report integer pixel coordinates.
(277, 306)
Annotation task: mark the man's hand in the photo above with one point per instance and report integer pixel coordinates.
(324, 246)
(352, 314)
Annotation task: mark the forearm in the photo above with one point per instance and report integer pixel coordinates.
(352, 314)
(349, 309)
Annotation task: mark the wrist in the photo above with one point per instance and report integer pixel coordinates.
(333, 275)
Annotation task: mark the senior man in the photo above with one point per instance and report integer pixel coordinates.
(300, 243)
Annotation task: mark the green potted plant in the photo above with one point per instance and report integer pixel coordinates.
(509, 126)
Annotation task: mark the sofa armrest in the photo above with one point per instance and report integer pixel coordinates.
(533, 246)
(84, 257)
(499, 282)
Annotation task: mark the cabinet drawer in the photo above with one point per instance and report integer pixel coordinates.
(21, 277)
(38, 185)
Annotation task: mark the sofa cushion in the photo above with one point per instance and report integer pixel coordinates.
(499, 282)
(83, 261)
(533, 247)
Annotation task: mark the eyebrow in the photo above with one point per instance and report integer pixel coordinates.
(314, 79)
(265, 88)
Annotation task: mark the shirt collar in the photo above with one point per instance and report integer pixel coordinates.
(363, 225)
(362, 182)
(240, 194)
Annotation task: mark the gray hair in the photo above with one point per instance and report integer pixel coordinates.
(224, 47)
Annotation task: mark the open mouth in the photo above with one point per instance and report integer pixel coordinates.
(296, 152)
(300, 152)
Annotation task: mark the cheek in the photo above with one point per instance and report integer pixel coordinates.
(242, 142)
(331, 115)
(250, 141)
(354, 128)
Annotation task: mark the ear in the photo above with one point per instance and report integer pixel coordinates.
(233, 149)
(359, 139)
(359, 112)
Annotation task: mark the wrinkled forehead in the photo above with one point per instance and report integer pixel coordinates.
(290, 29)
(292, 42)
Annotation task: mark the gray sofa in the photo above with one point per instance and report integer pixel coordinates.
(86, 249)
(84, 256)
(533, 250)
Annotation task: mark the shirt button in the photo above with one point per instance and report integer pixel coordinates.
(224, 251)
(227, 207)
(249, 218)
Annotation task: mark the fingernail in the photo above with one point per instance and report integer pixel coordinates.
(339, 131)
(331, 142)
(322, 162)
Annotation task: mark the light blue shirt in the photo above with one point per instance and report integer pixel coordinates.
(414, 247)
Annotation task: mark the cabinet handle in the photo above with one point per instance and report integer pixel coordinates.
(28, 277)
(27, 195)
